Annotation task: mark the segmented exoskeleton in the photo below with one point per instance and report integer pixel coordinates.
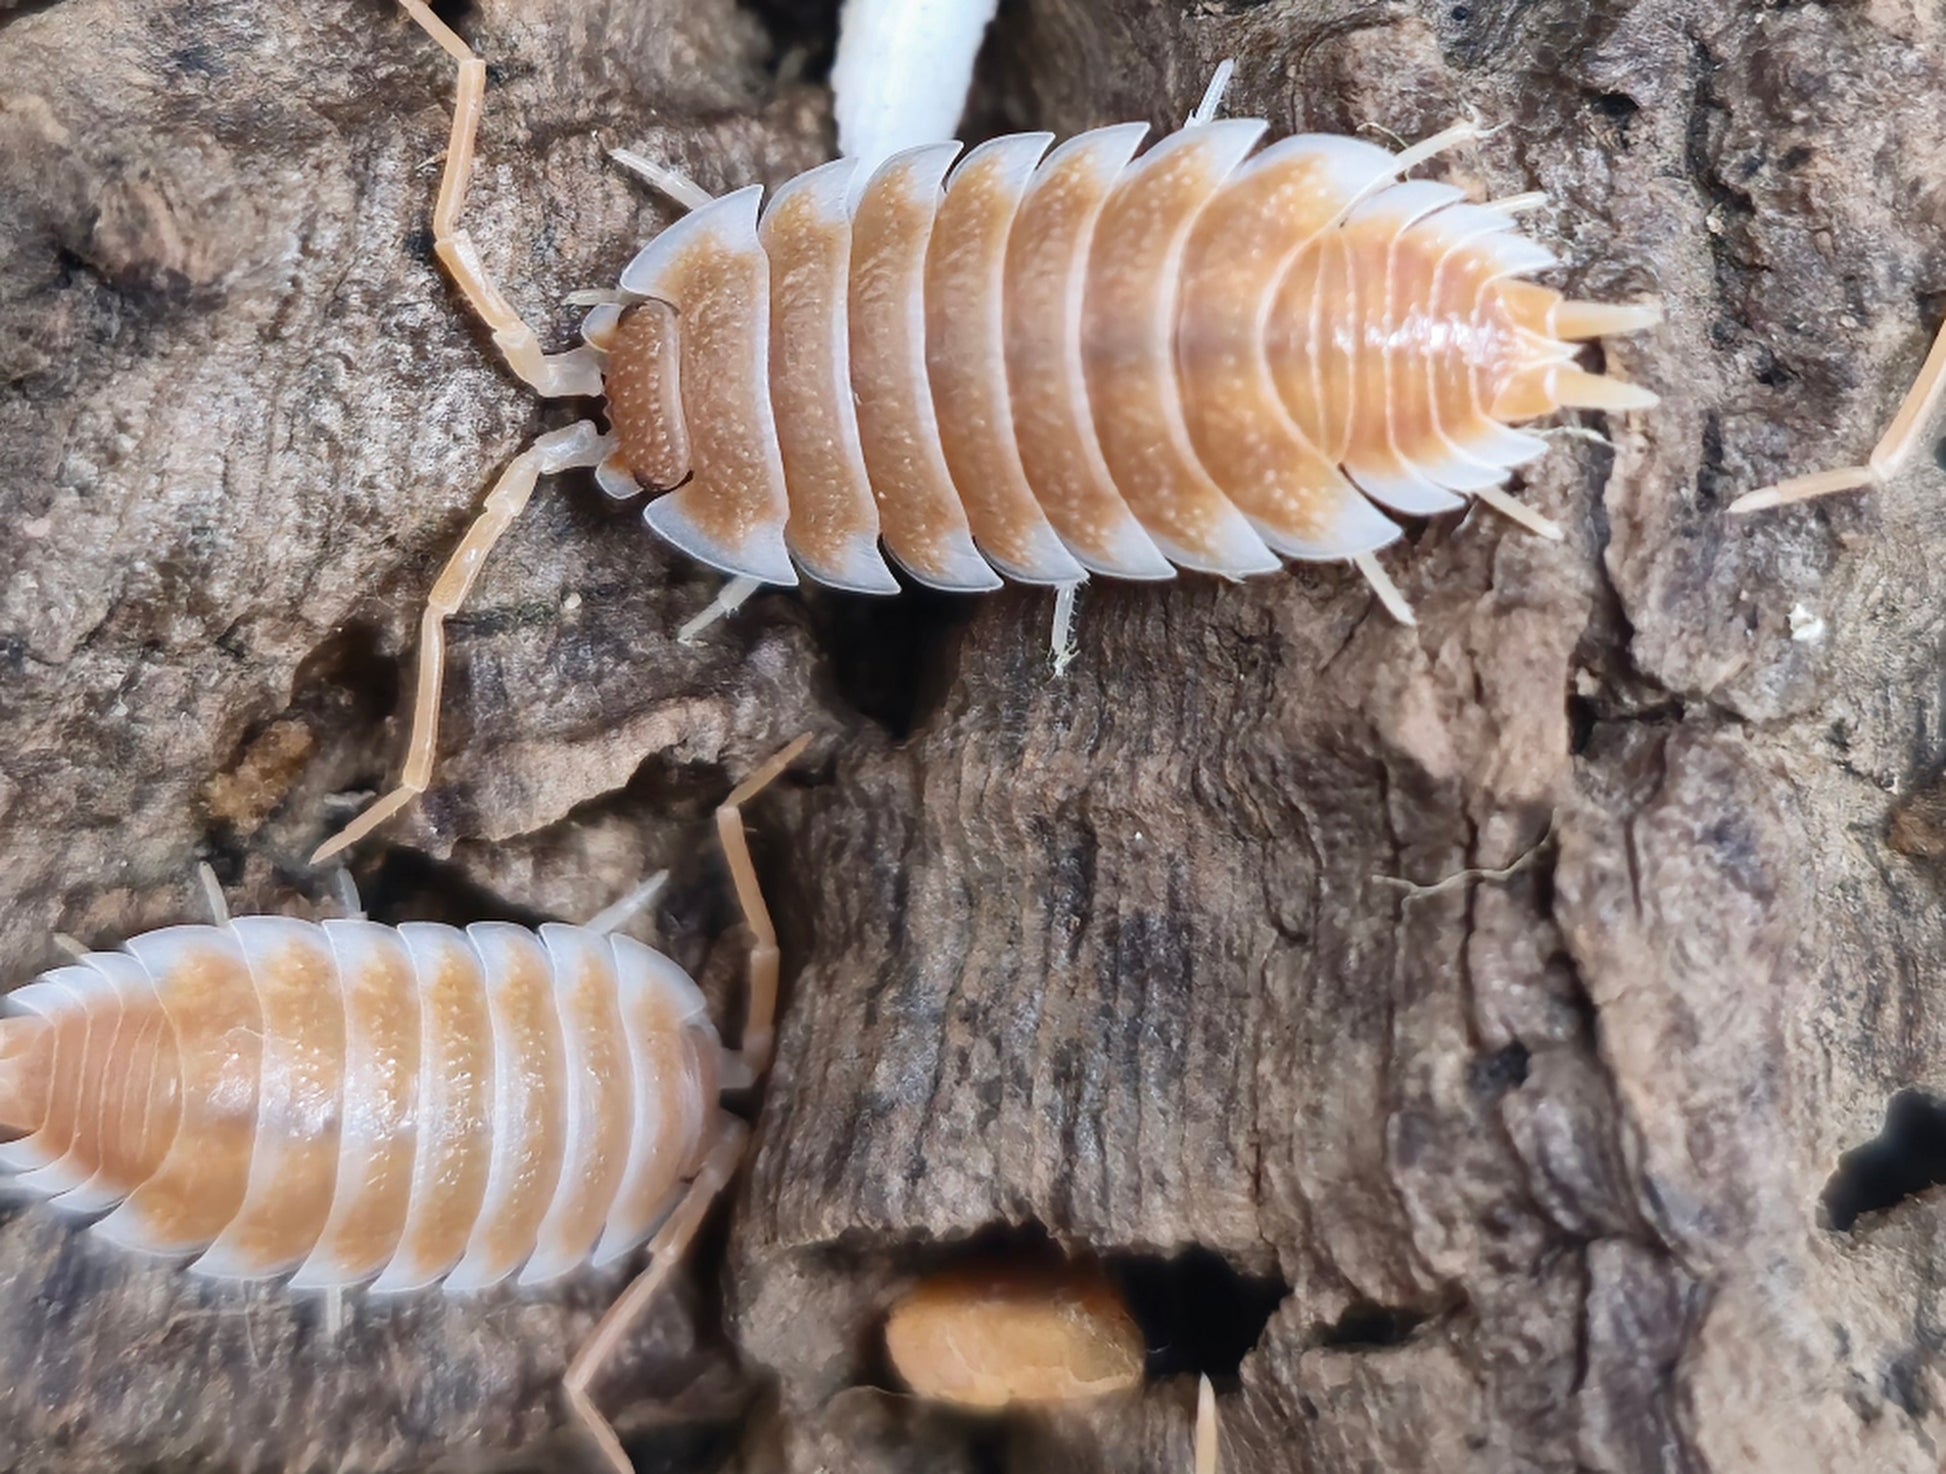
(1089, 363)
(1045, 366)
(351, 1103)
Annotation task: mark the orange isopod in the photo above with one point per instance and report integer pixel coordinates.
(1043, 365)
(409, 1107)
(996, 1335)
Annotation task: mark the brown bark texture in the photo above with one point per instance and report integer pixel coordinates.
(1537, 1007)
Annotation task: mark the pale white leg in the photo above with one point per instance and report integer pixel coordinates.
(728, 600)
(574, 374)
(1206, 1435)
(349, 901)
(1574, 432)
(1515, 204)
(219, 909)
(760, 1012)
(1212, 102)
(1061, 641)
(1515, 511)
(580, 444)
(624, 910)
(1411, 158)
(665, 1252)
(1888, 457)
(672, 183)
(1382, 585)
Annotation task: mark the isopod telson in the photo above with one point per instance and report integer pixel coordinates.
(1044, 367)
(416, 1106)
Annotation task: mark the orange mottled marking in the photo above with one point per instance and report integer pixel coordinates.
(920, 513)
(1413, 335)
(296, 1166)
(1128, 352)
(1046, 276)
(455, 1107)
(966, 364)
(643, 388)
(69, 1039)
(1243, 242)
(601, 1081)
(1466, 368)
(995, 1335)
(735, 497)
(380, 1126)
(529, 1123)
(832, 508)
(151, 1109)
(206, 993)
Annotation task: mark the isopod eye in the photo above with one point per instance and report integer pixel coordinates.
(644, 391)
(989, 1336)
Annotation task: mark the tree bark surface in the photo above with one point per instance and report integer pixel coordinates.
(1542, 1001)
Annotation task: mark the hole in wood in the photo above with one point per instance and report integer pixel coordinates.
(1196, 1313)
(1905, 1158)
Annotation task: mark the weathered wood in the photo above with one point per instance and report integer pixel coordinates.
(1151, 954)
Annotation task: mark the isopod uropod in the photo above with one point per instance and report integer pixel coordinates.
(412, 1107)
(1207, 357)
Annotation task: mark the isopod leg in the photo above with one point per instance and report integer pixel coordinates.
(219, 909)
(1426, 148)
(761, 1011)
(730, 598)
(1891, 453)
(619, 913)
(665, 1251)
(349, 901)
(670, 183)
(574, 374)
(1060, 641)
(1212, 103)
(580, 444)
(1387, 592)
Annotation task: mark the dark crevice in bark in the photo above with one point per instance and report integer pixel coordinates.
(890, 660)
(1907, 1157)
(1197, 1312)
(1367, 1326)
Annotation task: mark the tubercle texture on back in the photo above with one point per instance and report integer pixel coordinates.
(1044, 364)
(349, 1102)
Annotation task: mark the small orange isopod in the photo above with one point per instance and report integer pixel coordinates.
(406, 1108)
(992, 1335)
(995, 1335)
